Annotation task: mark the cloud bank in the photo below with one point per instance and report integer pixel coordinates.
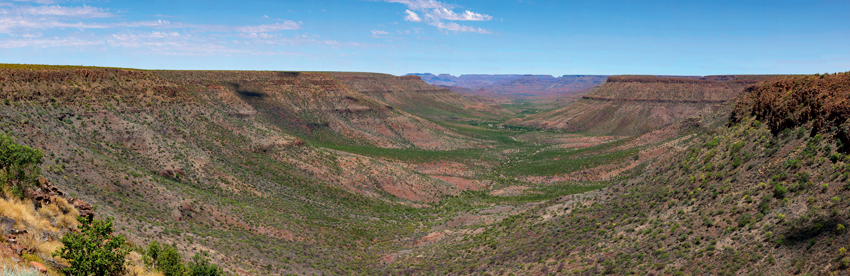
(43, 24)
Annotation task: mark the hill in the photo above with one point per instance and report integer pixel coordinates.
(411, 94)
(262, 169)
(515, 86)
(630, 105)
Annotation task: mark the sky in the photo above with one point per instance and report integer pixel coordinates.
(430, 36)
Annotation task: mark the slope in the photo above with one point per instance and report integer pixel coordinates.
(630, 105)
(411, 94)
(232, 163)
(765, 195)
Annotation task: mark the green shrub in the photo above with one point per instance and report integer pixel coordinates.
(779, 191)
(19, 165)
(201, 266)
(713, 143)
(93, 250)
(152, 254)
(835, 157)
(166, 259)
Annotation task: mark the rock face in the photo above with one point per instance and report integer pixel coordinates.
(789, 102)
(630, 105)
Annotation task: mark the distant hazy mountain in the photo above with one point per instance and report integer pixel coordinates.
(516, 85)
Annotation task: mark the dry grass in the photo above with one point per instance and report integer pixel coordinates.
(62, 212)
(42, 248)
(11, 268)
(24, 214)
(42, 236)
(136, 267)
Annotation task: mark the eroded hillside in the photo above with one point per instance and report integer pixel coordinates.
(765, 195)
(279, 173)
(232, 161)
(631, 105)
(413, 95)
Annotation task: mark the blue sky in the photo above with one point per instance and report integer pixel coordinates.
(451, 36)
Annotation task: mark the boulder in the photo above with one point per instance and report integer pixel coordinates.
(6, 225)
(40, 267)
(85, 209)
(20, 249)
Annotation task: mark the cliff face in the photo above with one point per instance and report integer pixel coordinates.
(411, 94)
(821, 102)
(629, 105)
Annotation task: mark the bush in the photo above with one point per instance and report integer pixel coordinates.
(201, 266)
(19, 165)
(779, 191)
(152, 254)
(166, 259)
(93, 250)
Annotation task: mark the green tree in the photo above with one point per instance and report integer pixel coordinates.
(201, 266)
(152, 254)
(169, 261)
(19, 165)
(93, 251)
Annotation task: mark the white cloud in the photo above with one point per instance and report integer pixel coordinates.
(422, 4)
(286, 25)
(47, 43)
(434, 12)
(60, 11)
(45, 2)
(29, 25)
(379, 33)
(451, 26)
(15, 24)
(465, 16)
(411, 16)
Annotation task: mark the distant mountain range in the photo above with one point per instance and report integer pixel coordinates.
(514, 86)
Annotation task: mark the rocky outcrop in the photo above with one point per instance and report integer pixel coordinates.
(788, 102)
(46, 193)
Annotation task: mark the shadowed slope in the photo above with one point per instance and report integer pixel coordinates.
(411, 94)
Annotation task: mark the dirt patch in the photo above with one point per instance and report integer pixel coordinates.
(463, 183)
(509, 191)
